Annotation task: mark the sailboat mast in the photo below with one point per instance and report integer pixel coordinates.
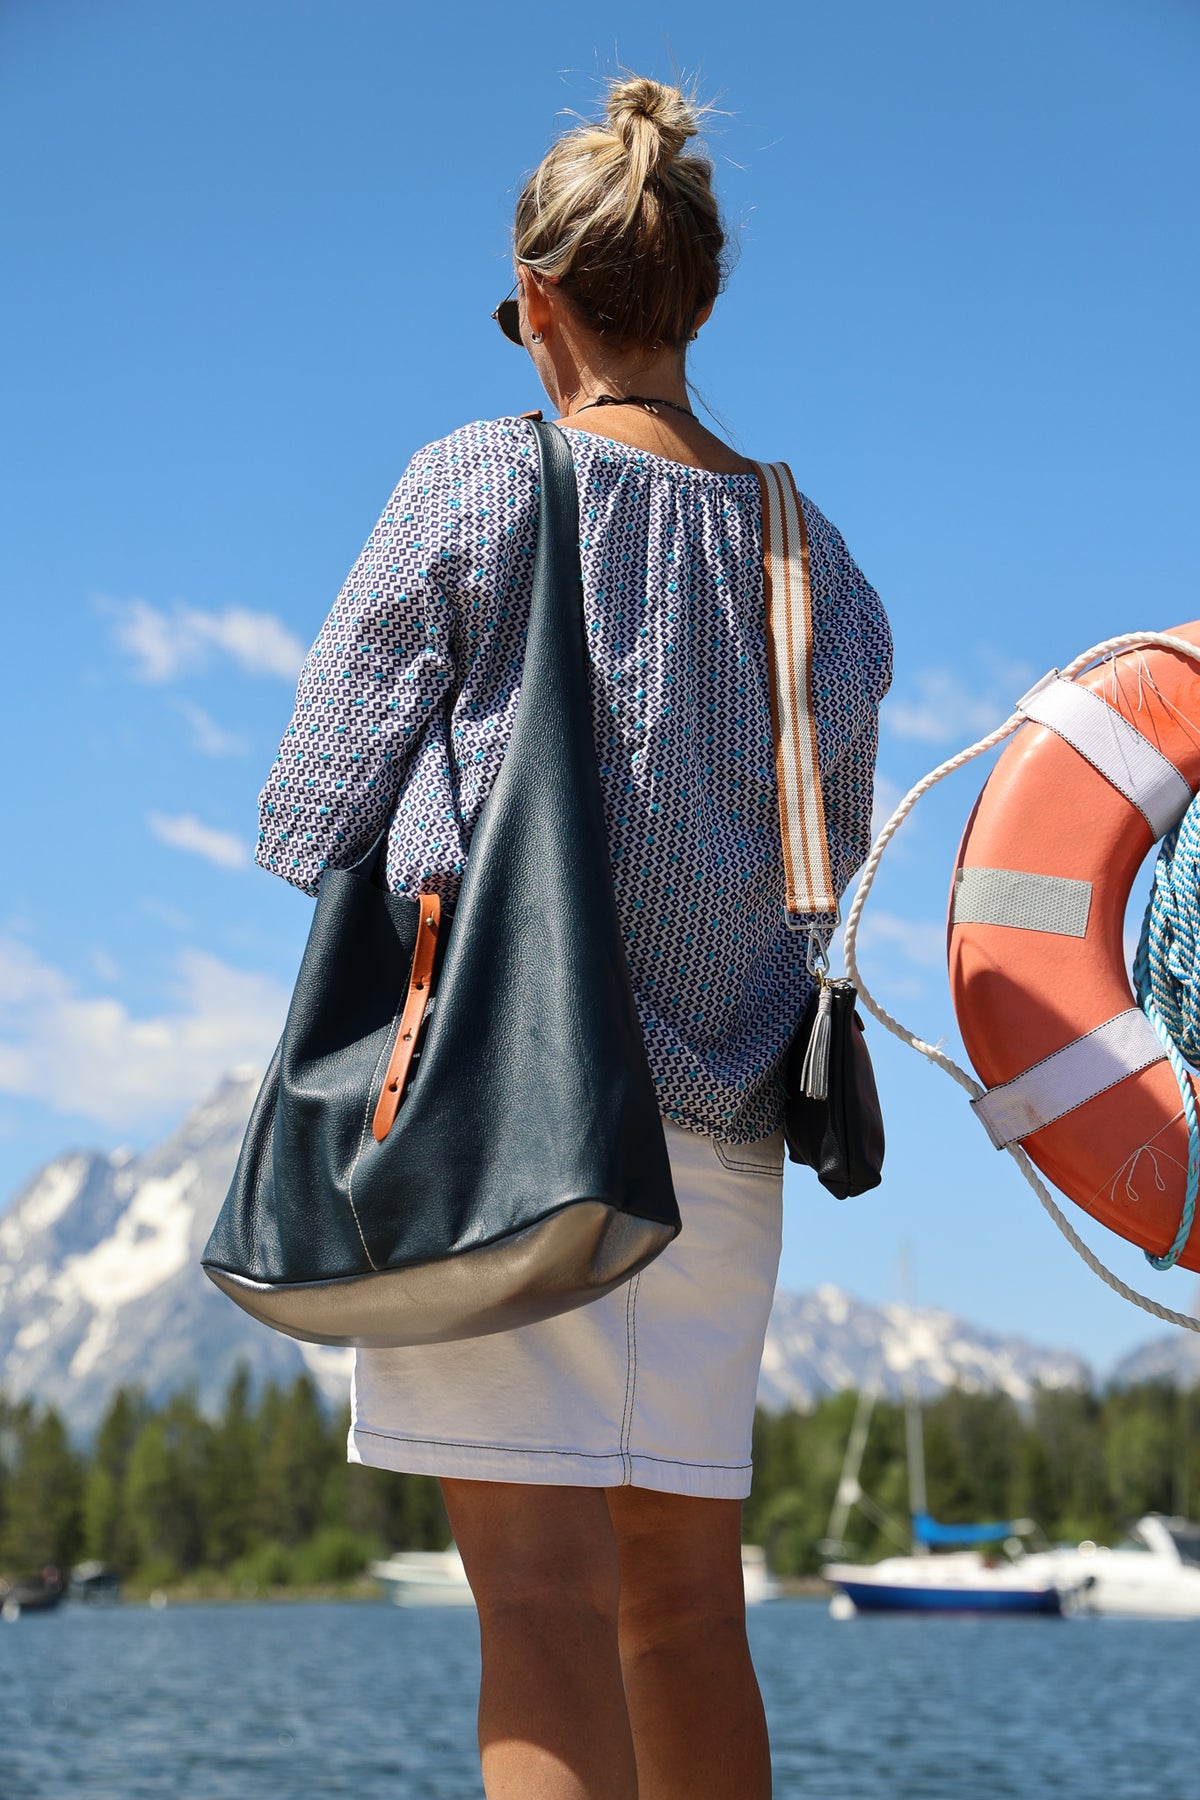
(914, 1441)
(915, 1447)
(848, 1491)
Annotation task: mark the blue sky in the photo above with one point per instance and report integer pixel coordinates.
(253, 247)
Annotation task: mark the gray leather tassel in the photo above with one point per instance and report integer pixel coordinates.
(814, 1074)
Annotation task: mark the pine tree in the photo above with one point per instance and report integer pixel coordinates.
(167, 1488)
(108, 1535)
(43, 1511)
(233, 1476)
(295, 1456)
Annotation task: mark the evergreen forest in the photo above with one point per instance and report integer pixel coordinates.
(261, 1497)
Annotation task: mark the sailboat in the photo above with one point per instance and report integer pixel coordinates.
(959, 1580)
(950, 1568)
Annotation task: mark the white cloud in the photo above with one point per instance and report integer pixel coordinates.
(918, 942)
(208, 737)
(90, 1056)
(183, 832)
(888, 795)
(105, 964)
(166, 915)
(167, 644)
(896, 956)
(946, 707)
(258, 642)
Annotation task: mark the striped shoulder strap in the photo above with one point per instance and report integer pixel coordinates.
(789, 654)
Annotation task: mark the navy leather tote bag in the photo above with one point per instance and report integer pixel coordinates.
(458, 1132)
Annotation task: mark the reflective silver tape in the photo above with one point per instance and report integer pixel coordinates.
(1113, 746)
(1073, 1075)
(1052, 903)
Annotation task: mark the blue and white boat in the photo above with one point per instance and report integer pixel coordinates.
(952, 1568)
(950, 1573)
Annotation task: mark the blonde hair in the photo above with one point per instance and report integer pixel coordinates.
(627, 225)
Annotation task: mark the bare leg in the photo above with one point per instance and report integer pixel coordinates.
(542, 1562)
(697, 1716)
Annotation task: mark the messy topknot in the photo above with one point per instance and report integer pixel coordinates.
(626, 223)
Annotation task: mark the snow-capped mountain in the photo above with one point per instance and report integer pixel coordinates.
(822, 1342)
(101, 1285)
(1174, 1357)
(100, 1279)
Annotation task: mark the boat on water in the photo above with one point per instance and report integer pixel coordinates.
(23, 1594)
(952, 1579)
(424, 1578)
(1154, 1573)
(949, 1568)
(437, 1577)
(94, 1583)
(760, 1584)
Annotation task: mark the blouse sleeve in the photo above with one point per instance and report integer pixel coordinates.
(374, 679)
(852, 673)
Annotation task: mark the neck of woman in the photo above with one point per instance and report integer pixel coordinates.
(656, 374)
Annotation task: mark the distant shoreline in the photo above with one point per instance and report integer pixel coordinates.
(361, 1590)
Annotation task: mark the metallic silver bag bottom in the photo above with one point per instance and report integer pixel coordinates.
(588, 1246)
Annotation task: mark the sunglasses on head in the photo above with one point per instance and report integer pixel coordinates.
(508, 317)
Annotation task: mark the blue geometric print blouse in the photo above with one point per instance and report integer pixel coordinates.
(408, 695)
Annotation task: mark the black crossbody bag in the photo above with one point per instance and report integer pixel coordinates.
(832, 1119)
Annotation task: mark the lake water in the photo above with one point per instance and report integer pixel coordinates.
(293, 1701)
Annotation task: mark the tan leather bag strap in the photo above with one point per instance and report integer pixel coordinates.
(789, 653)
(392, 1091)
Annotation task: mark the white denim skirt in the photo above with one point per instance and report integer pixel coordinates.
(651, 1386)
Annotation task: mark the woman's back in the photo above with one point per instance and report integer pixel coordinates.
(411, 689)
(593, 1463)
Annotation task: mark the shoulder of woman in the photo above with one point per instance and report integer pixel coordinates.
(483, 445)
(822, 532)
(843, 593)
(828, 546)
(469, 475)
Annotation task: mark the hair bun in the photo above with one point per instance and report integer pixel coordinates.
(638, 109)
(627, 225)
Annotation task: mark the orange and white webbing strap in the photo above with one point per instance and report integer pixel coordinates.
(789, 654)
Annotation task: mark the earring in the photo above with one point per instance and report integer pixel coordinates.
(535, 337)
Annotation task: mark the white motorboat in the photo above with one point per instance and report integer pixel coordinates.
(1154, 1573)
(437, 1577)
(760, 1583)
(424, 1578)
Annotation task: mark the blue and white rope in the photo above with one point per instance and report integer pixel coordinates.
(1167, 979)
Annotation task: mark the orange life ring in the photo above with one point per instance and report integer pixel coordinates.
(1038, 966)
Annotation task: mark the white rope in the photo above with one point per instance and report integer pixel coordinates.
(1132, 640)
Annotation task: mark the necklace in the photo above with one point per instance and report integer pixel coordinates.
(636, 400)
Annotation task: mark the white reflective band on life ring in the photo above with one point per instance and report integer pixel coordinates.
(1114, 747)
(1053, 903)
(1068, 1078)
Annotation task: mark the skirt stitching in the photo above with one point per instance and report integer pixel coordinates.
(630, 1377)
(743, 1166)
(678, 1462)
(399, 1437)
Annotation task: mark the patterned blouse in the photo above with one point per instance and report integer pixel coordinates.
(407, 699)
